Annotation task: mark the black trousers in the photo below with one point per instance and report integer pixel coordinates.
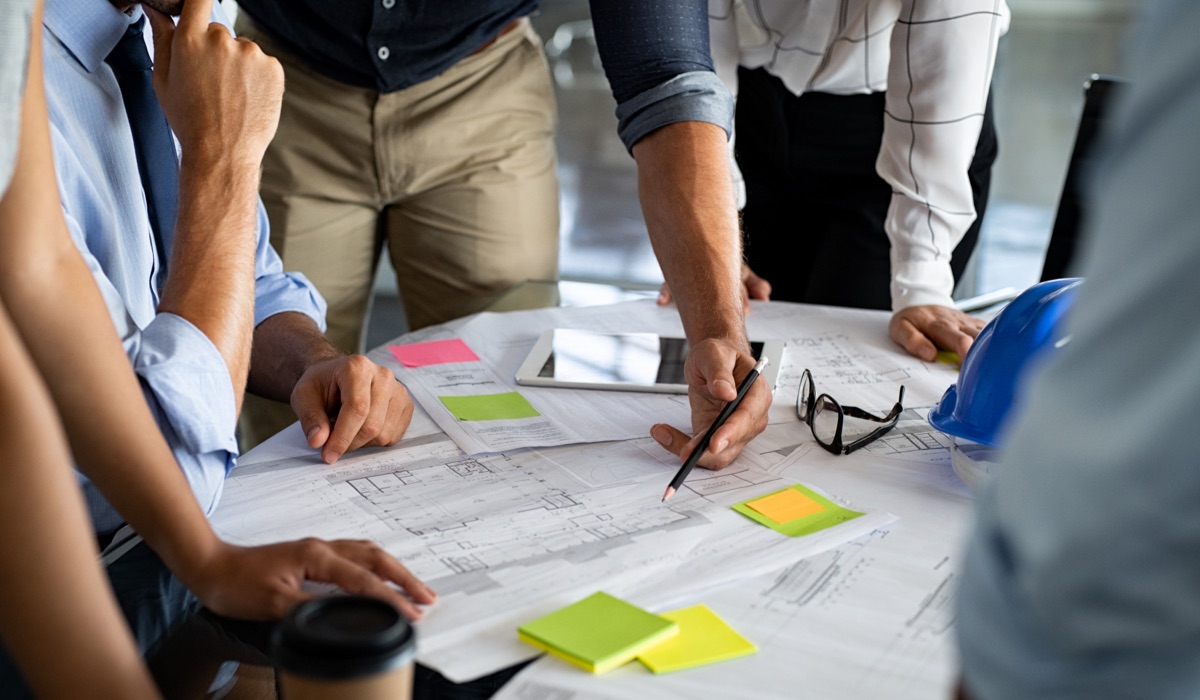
(815, 206)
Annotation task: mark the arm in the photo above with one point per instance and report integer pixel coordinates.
(56, 307)
(1081, 577)
(222, 100)
(675, 118)
(935, 107)
(56, 609)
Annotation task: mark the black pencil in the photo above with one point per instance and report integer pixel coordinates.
(721, 418)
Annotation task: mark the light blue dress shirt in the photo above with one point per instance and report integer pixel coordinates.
(1083, 578)
(183, 376)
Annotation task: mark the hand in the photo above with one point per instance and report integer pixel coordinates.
(370, 406)
(753, 287)
(711, 385)
(221, 95)
(263, 583)
(921, 330)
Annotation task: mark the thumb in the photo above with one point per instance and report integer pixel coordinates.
(164, 32)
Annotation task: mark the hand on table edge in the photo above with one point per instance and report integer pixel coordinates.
(711, 385)
(265, 582)
(922, 330)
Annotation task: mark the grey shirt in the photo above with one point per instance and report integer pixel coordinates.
(1083, 577)
(15, 18)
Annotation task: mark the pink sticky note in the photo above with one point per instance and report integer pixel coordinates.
(435, 352)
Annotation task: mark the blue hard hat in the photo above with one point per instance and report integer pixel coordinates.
(1030, 327)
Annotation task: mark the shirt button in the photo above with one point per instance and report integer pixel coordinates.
(383, 53)
(389, 4)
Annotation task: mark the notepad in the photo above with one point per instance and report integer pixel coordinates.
(703, 638)
(599, 633)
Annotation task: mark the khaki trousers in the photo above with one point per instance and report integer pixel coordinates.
(455, 174)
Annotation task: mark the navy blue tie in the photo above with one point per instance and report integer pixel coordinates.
(152, 139)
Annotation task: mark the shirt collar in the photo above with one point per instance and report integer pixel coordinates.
(89, 29)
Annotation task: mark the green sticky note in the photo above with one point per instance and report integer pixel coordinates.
(828, 515)
(490, 406)
(949, 357)
(703, 638)
(599, 633)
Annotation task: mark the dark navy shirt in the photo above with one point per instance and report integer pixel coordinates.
(655, 52)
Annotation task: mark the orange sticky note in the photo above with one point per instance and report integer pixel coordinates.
(786, 506)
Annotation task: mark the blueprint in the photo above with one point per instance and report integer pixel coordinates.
(506, 524)
(504, 538)
(869, 619)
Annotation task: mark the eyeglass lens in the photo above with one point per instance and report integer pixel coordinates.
(825, 418)
(804, 400)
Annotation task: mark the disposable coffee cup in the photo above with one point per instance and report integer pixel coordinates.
(344, 648)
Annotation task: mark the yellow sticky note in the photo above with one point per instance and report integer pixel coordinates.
(703, 638)
(786, 506)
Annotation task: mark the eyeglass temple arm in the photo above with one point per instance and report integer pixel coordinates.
(856, 412)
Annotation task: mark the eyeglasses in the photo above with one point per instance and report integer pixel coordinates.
(827, 418)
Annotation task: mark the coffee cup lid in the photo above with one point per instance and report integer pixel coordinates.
(342, 637)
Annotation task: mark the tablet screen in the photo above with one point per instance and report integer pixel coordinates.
(627, 361)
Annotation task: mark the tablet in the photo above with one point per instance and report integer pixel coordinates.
(579, 359)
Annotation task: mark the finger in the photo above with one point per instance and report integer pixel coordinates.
(717, 373)
(672, 439)
(747, 421)
(664, 295)
(309, 405)
(376, 417)
(195, 15)
(758, 288)
(399, 414)
(164, 31)
(914, 341)
(357, 579)
(389, 568)
(355, 402)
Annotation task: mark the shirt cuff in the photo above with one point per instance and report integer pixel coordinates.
(189, 381)
(699, 96)
(287, 291)
(921, 283)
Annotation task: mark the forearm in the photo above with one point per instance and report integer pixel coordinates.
(934, 113)
(56, 610)
(285, 346)
(211, 273)
(56, 307)
(687, 198)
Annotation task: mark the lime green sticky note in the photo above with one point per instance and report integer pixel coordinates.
(598, 633)
(949, 357)
(828, 514)
(490, 406)
(703, 638)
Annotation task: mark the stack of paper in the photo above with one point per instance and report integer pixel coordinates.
(600, 633)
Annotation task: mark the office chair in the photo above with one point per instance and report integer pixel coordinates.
(1098, 95)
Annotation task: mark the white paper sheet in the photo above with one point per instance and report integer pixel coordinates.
(870, 619)
(505, 538)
